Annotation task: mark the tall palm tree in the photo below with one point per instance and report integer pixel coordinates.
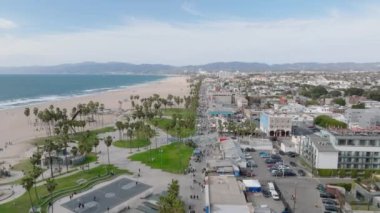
(27, 183)
(35, 173)
(130, 135)
(49, 147)
(119, 126)
(108, 142)
(96, 143)
(50, 186)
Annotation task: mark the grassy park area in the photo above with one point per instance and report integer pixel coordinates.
(65, 186)
(173, 158)
(180, 111)
(78, 136)
(163, 124)
(134, 143)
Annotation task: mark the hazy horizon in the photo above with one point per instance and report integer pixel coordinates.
(188, 32)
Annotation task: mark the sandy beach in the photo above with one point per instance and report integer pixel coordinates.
(15, 127)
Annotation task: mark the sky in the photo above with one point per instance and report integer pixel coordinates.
(49, 32)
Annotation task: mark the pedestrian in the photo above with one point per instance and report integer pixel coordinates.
(136, 182)
(94, 198)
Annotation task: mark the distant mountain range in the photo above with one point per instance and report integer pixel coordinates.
(125, 68)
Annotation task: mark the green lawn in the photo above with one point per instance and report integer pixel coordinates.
(174, 157)
(134, 143)
(182, 111)
(23, 165)
(91, 157)
(77, 136)
(162, 123)
(66, 185)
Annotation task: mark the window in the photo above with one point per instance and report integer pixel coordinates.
(357, 153)
(367, 154)
(342, 142)
(362, 142)
(372, 143)
(376, 154)
(350, 143)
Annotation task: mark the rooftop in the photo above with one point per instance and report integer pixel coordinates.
(322, 144)
(225, 190)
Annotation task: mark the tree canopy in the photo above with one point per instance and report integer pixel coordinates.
(326, 122)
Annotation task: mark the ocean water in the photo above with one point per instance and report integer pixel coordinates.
(21, 90)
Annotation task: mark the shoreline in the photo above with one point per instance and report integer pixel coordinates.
(80, 94)
(18, 129)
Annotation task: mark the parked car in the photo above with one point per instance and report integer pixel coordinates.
(266, 193)
(326, 195)
(270, 161)
(264, 155)
(277, 157)
(275, 195)
(301, 172)
(292, 154)
(329, 202)
(293, 164)
(331, 208)
(281, 152)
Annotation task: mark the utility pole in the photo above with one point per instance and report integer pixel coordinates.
(295, 197)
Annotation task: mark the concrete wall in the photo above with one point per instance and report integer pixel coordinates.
(327, 160)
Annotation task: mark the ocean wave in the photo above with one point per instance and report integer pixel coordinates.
(25, 101)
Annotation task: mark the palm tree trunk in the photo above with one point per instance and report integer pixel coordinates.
(35, 191)
(31, 202)
(51, 166)
(108, 153)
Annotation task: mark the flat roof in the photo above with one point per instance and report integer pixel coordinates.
(322, 144)
(225, 190)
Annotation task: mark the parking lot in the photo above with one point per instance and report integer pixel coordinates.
(302, 188)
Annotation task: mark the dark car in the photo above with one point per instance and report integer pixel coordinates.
(326, 195)
(270, 161)
(281, 152)
(331, 208)
(292, 154)
(301, 172)
(289, 173)
(329, 202)
(266, 193)
(277, 157)
(292, 164)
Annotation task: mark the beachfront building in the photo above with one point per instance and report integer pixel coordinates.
(275, 125)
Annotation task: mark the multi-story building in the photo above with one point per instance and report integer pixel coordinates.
(273, 124)
(319, 152)
(341, 149)
(357, 150)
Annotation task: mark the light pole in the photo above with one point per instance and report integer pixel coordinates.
(295, 197)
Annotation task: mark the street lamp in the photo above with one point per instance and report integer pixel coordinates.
(295, 197)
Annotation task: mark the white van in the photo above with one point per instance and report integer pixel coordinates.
(271, 186)
(274, 195)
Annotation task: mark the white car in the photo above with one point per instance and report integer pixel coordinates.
(274, 195)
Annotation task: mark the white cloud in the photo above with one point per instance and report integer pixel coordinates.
(188, 7)
(7, 24)
(331, 39)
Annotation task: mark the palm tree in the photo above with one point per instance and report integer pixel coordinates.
(27, 112)
(36, 172)
(27, 183)
(130, 135)
(108, 142)
(119, 126)
(96, 143)
(49, 147)
(50, 186)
